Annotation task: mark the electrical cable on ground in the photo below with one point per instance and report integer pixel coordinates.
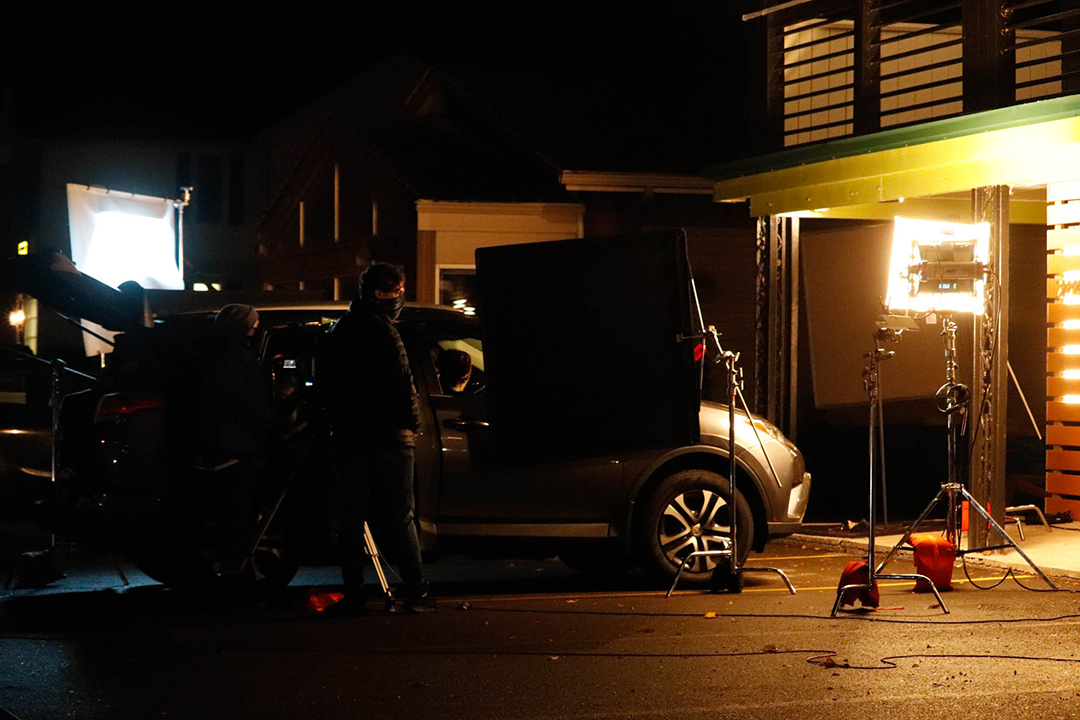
(891, 662)
(822, 658)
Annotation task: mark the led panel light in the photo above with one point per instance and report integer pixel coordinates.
(938, 266)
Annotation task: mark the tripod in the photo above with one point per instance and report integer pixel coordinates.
(318, 441)
(872, 382)
(733, 580)
(954, 398)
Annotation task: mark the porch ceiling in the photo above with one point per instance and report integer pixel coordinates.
(929, 167)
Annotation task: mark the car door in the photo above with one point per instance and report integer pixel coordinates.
(482, 489)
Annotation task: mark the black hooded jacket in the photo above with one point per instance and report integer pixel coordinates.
(235, 418)
(364, 380)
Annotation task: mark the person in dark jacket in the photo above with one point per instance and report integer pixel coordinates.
(373, 412)
(234, 429)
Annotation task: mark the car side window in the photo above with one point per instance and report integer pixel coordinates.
(459, 363)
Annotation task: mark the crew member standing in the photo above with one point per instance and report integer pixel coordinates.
(373, 412)
(234, 429)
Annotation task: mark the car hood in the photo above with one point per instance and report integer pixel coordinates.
(54, 280)
(714, 422)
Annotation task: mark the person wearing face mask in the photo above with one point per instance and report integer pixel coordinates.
(373, 413)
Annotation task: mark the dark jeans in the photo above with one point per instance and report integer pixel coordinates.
(377, 486)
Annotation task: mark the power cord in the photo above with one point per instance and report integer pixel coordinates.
(891, 662)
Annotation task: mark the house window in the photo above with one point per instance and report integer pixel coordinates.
(457, 287)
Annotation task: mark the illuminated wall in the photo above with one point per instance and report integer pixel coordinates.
(1063, 347)
(450, 233)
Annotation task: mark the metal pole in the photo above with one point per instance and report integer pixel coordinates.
(180, 205)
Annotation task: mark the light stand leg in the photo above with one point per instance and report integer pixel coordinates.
(376, 560)
(1009, 542)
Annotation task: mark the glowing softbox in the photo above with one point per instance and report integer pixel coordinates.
(117, 237)
(938, 266)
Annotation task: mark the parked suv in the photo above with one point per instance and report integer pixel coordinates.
(599, 514)
(580, 433)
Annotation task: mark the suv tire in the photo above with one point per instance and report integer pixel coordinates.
(690, 511)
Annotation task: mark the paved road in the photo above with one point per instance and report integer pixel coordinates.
(535, 640)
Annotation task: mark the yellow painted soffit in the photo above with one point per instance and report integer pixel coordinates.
(1035, 153)
(1024, 212)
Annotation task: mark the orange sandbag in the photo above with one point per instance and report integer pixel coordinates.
(856, 573)
(934, 556)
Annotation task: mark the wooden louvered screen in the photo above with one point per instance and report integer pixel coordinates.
(1063, 348)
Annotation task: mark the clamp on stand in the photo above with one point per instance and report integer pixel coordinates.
(732, 581)
(954, 397)
(872, 381)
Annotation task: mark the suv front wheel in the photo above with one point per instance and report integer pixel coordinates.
(690, 511)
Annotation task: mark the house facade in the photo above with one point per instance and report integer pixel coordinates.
(962, 111)
(413, 165)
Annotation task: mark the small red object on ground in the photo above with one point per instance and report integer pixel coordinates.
(856, 573)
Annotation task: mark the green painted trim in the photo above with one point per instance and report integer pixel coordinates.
(1001, 119)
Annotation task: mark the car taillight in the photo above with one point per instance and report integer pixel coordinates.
(116, 405)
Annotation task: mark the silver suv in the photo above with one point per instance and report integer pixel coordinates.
(599, 514)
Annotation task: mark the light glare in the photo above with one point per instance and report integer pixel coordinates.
(908, 236)
(131, 247)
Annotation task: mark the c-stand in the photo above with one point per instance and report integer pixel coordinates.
(733, 581)
(954, 398)
(872, 382)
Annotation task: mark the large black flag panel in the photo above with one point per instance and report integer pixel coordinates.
(53, 279)
(586, 347)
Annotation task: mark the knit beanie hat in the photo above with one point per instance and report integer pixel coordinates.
(236, 318)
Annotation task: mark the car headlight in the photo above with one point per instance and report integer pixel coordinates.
(765, 429)
(798, 498)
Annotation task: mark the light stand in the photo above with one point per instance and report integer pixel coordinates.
(732, 581)
(872, 382)
(953, 398)
(49, 567)
(179, 206)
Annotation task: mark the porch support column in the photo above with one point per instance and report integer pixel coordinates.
(777, 319)
(989, 393)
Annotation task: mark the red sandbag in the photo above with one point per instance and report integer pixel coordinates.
(856, 573)
(934, 556)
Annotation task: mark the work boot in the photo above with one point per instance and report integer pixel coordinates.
(419, 603)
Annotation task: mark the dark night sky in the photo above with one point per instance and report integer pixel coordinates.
(197, 79)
